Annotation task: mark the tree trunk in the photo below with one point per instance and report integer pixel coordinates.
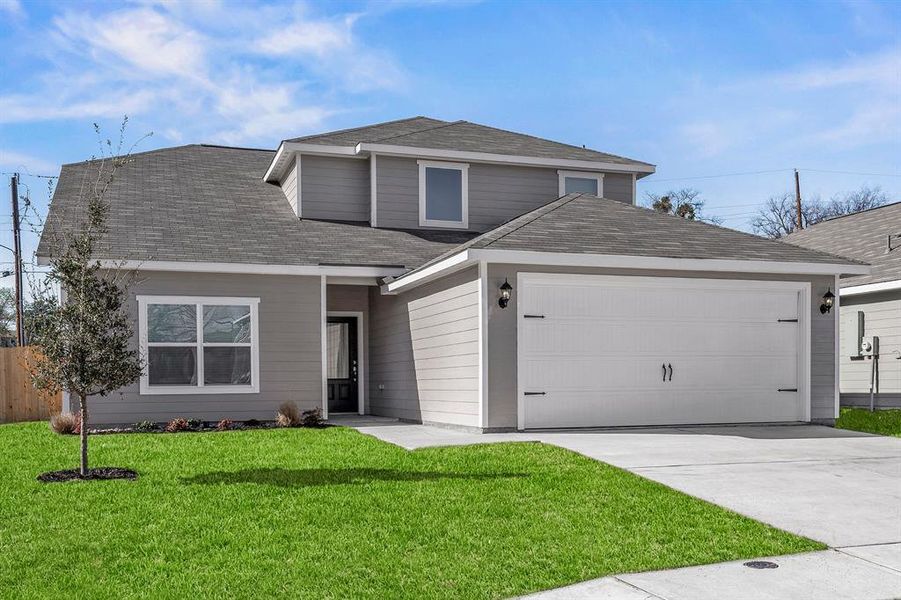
(84, 434)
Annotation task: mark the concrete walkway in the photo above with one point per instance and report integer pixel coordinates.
(838, 487)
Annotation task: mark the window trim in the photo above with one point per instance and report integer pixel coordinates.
(464, 180)
(199, 302)
(562, 175)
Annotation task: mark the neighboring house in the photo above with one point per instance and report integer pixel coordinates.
(364, 271)
(870, 304)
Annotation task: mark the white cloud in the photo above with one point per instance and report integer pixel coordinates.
(26, 163)
(202, 70)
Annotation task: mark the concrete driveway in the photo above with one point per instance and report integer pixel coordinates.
(839, 487)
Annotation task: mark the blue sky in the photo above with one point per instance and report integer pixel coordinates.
(701, 89)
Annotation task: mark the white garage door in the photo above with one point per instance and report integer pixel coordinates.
(610, 351)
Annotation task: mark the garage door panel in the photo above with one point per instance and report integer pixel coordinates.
(596, 356)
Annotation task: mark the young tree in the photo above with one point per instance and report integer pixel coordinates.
(779, 215)
(85, 340)
(7, 313)
(685, 203)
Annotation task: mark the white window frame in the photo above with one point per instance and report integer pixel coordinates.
(199, 302)
(464, 170)
(562, 175)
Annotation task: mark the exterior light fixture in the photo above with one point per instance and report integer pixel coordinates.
(506, 292)
(828, 301)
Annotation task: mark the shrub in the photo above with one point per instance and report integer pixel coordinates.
(195, 424)
(176, 425)
(65, 424)
(288, 415)
(312, 418)
(144, 426)
(225, 425)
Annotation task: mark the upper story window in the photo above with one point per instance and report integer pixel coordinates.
(443, 194)
(199, 345)
(573, 182)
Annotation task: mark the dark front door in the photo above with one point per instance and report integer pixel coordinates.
(343, 364)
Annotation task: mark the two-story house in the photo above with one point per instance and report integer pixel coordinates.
(452, 273)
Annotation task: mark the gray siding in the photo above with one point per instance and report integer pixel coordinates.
(424, 352)
(289, 186)
(618, 186)
(334, 188)
(502, 340)
(290, 361)
(354, 298)
(882, 317)
(497, 193)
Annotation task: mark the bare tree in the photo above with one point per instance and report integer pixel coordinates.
(779, 215)
(7, 313)
(685, 203)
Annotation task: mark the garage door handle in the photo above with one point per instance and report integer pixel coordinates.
(670, 372)
(664, 371)
(534, 393)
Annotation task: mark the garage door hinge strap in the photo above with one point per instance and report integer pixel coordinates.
(787, 321)
(787, 390)
(533, 316)
(534, 393)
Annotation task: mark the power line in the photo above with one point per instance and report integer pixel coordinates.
(650, 179)
(853, 173)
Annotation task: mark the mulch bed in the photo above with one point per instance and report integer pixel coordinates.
(98, 474)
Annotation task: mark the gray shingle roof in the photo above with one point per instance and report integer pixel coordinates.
(209, 204)
(862, 236)
(424, 132)
(583, 224)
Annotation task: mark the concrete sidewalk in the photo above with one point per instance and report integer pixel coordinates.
(839, 487)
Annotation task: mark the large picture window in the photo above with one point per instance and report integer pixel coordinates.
(443, 194)
(199, 345)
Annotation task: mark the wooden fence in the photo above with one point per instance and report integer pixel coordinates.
(19, 401)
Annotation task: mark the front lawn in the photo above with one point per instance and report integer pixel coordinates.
(883, 422)
(332, 513)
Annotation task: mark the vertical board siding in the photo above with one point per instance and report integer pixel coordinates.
(882, 318)
(497, 193)
(501, 405)
(289, 187)
(334, 188)
(290, 360)
(19, 400)
(424, 352)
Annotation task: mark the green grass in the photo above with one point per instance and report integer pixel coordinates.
(335, 514)
(883, 422)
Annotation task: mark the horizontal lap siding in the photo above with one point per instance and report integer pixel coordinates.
(290, 361)
(289, 187)
(334, 188)
(882, 318)
(497, 193)
(618, 186)
(424, 351)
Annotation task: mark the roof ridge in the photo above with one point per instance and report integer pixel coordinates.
(166, 149)
(444, 124)
(860, 212)
(350, 129)
(535, 137)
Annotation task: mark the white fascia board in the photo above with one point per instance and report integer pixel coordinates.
(441, 268)
(884, 286)
(664, 263)
(330, 271)
(488, 157)
(611, 261)
(287, 149)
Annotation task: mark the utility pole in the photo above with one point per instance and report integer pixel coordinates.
(800, 223)
(17, 250)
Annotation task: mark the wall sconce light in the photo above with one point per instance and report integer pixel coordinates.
(506, 292)
(828, 301)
